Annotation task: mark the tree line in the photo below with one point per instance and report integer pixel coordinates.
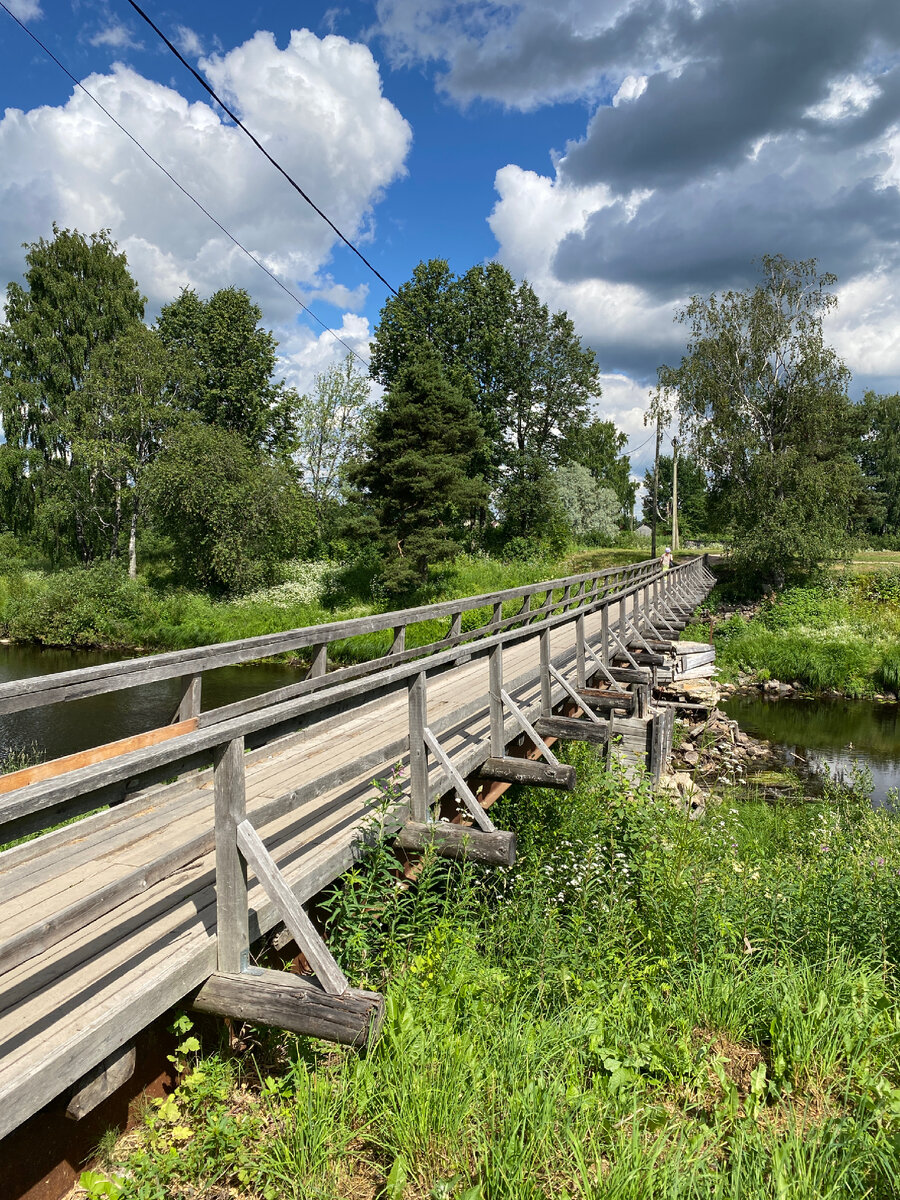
(177, 440)
(476, 429)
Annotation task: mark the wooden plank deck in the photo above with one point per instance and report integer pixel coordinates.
(67, 1007)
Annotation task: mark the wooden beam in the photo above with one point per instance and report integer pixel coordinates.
(573, 696)
(291, 911)
(497, 849)
(98, 1085)
(232, 916)
(86, 758)
(463, 790)
(526, 726)
(286, 1001)
(574, 729)
(529, 771)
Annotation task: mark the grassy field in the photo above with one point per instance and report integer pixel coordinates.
(841, 633)
(101, 607)
(643, 1007)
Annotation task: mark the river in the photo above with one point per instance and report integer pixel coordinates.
(78, 724)
(828, 732)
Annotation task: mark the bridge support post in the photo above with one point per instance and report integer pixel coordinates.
(232, 921)
(580, 677)
(604, 635)
(418, 760)
(546, 689)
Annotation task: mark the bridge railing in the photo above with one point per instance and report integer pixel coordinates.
(410, 631)
(646, 594)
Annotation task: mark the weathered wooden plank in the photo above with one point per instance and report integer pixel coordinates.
(529, 771)
(288, 1002)
(575, 729)
(462, 788)
(497, 849)
(529, 729)
(84, 758)
(291, 911)
(100, 1084)
(231, 868)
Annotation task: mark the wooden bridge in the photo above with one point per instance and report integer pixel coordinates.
(107, 922)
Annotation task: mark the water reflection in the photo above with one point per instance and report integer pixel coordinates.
(836, 733)
(79, 724)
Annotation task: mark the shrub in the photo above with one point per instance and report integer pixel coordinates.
(93, 606)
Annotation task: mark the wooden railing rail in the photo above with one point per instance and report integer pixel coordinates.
(223, 744)
(189, 665)
(224, 724)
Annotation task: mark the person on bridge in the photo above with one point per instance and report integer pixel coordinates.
(667, 558)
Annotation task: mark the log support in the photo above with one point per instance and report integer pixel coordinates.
(286, 1001)
(530, 772)
(449, 840)
(574, 729)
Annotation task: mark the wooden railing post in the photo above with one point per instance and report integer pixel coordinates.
(189, 704)
(319, 662)
(546, 687)
(418, 757)
(399, 643)
(580, 676)
(498, 734)
(604, 634)
(232, 918)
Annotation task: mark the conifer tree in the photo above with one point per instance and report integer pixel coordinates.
(416, 487)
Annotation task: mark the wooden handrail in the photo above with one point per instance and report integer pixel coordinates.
(41, 690)
(44, 794)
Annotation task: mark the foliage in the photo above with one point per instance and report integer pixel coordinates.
(77, 298)
(530, 509)
(522, 367)
(880, 461)
(415, 487)
(233, 513)
(228, 362)
(94, 606)
(765, 402)
(590, 508)
(642, 1006)
(330, 428)
(598, 446)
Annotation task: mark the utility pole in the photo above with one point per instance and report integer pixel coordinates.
(655, 508)
(674, 494)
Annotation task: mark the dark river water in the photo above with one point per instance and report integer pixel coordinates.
(836, 733)
(78, 724)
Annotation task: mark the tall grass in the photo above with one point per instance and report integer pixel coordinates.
(644, 1006)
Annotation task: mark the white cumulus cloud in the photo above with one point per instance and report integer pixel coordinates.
(317, 104)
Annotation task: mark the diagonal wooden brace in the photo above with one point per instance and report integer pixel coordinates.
(624, 649)
(304, 933)
(599, 663)
(527, 728)
(573, 695)
(463, 790)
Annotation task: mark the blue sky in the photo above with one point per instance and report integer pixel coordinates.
(621, 154)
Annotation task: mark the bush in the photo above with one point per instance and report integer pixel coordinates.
(83, 606)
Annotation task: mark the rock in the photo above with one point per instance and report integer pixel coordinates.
(700, 691)
(691, 758)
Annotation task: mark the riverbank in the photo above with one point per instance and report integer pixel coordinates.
(840, 635)
(101, 608)
(643, 1005)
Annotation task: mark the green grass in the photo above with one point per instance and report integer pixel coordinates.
(839, 634)
(643, 1006)
(101, 607)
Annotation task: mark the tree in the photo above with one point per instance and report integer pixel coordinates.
(77, 298)
(879, 458)
(415, 487)
(128, 403)
(330, 423)
(232, 512)
(590, 508)
(522, 368)
(692, 493)
(598, 446)
(229, 362)
(765, 403)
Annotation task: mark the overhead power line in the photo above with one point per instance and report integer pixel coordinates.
(258, 144)
(193, 199)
